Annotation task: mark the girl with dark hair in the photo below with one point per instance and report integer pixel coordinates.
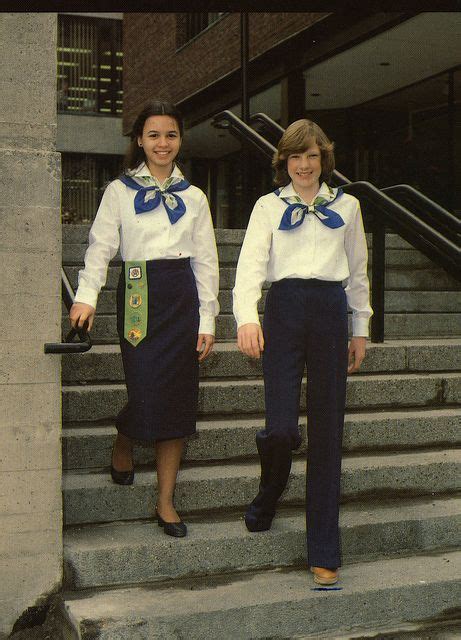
(307, 239)
(166, 297)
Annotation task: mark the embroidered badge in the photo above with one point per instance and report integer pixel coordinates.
(135, 301)
(135, 273)
(134, 335)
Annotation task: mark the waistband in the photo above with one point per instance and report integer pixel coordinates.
(165, 264)
(307, 282)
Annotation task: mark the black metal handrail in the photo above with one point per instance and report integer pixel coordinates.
(69, 346)
(428, 227)
(243, 132)
(426, 209)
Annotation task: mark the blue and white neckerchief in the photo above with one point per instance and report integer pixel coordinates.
(295, 213)
(148, 198)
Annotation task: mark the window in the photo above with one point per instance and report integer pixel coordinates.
(84, 178)
(189, 25)
(90, 61)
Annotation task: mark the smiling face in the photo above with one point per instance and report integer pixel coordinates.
(304, 169)
(161, 142)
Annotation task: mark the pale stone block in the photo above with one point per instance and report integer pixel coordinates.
(25, 362)
(23, 543)
(30, 491)
(29, 316)
(28, 581)
(30, 177)
(30, 274)
(20, 97)
(25, 135)
(29, 228)
(31, 446)
(30, 404)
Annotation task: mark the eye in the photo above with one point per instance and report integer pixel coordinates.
(313, 156)
(293, 155)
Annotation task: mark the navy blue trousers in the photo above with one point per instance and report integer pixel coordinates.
(305, 323)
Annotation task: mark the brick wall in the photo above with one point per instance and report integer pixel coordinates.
(153, 67)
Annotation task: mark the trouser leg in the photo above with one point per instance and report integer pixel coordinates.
(283, 365)
(326, 357)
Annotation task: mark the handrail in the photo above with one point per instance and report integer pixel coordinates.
(427, 209)
(426, 228)
(247, 135)
(68, 346)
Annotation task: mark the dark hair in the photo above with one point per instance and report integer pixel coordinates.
(135, 154)
(298, 137)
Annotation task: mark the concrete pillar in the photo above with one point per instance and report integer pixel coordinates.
(30, 301)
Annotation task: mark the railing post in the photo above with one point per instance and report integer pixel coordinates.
(378, 276)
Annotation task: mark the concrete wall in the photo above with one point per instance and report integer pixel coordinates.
(90, 134)
(30, 255)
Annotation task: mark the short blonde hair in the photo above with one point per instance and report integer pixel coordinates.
(298, 137)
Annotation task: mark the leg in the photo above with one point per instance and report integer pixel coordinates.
(122, 454)
(326, 372)
(283, 365)
(168, 458)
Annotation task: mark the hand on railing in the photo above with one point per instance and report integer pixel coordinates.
(81, 313)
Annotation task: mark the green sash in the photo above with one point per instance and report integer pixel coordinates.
(136, 297)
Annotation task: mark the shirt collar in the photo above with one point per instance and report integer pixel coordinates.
(142, 171)
(324, 192)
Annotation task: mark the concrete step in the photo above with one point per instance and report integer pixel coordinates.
(103, 402)
(103, 362)
(403, 325)
(271, 603)
(396, 279)
(86, 447)
(92, 496)
(395, 302)
(115, 554)
(74, 254)
(78, 234)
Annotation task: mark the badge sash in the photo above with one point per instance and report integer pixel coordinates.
(136, 301)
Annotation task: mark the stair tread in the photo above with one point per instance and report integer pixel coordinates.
(242, 422)
(235, 469)
(113, 535)
(241, 604)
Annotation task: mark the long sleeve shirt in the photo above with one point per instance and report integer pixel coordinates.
(151, 236)
(311, 250)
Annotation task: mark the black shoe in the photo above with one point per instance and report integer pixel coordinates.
(121, 477)
(175, 529)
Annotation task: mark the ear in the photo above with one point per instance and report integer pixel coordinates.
(139, 141)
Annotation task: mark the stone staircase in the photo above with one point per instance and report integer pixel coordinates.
(400, 518)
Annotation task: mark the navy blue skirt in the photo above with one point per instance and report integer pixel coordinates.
(162, 371)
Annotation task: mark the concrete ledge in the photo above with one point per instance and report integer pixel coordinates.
(93, 497)
(103, 362)
(90, 447)
(115, 554)
(103, 402)
(244, 607)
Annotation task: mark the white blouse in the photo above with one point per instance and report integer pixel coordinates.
(151, 236)
(311, 250)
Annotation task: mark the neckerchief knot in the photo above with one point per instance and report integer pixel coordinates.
(149, 198)
(295, 213)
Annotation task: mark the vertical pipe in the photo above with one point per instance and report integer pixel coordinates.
(451, 138)
(378, 275)
(245, 164)
(244, 55)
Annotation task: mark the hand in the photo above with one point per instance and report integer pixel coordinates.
(80, 313)
(250, 339)
(205, 342)
(357, 348)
